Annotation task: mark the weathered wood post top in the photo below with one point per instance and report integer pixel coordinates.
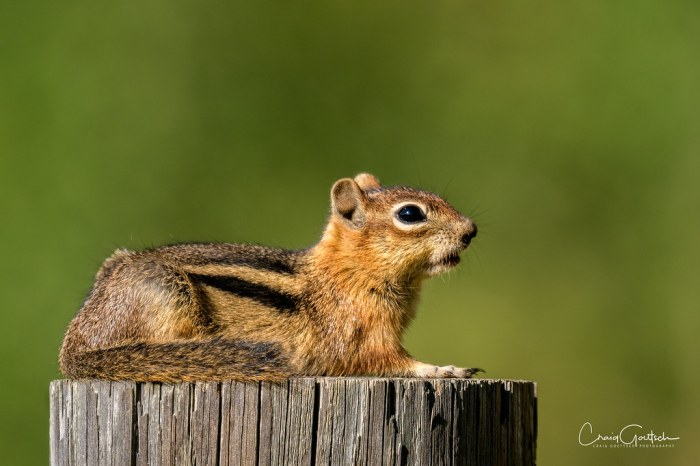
(307, 421)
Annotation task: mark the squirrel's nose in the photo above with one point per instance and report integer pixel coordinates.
(469, 235)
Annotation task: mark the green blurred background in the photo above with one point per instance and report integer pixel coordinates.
(569, 130)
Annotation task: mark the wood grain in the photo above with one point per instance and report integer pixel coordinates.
(304, 421)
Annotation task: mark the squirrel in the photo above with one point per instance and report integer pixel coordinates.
(211, 312)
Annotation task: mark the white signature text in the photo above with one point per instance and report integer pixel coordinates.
(630, 436)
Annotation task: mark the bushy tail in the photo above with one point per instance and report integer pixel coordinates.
(182, 361)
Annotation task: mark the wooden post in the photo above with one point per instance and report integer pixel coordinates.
(308, 421)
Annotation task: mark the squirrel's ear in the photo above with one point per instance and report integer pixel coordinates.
(348, 202)
(366, 181)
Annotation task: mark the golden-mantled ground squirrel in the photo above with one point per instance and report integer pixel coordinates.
(191, 312)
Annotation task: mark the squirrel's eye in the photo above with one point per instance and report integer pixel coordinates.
(411, 214)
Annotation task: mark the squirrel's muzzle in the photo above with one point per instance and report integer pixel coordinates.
(469, 235)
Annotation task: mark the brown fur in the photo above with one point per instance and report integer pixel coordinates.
(225, 311)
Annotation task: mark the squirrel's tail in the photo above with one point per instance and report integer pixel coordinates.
(183, 361)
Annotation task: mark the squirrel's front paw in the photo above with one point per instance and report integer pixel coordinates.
(430, 371)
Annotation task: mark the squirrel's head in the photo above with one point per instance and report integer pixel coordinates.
(404, 232)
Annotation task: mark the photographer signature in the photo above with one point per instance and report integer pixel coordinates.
(632, 435)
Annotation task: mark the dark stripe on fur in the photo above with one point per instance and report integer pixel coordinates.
(272, 264)
(281, 301)
(260, 263)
